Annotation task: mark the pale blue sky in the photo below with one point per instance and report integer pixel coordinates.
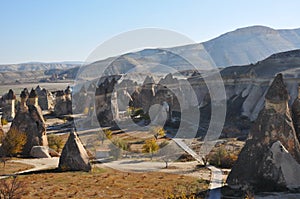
(68, 30)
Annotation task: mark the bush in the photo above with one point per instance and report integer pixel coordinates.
(4, 121)
(158, 132)
(108, 133)
(223, 159)
(151, 147)
(55, 142)
(13, 142)
(117, 146)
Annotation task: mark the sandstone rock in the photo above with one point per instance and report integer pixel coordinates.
(40, 152)
(284, 169)
(46, 100)
(63, 104)
(29, 119)
(74, 156)
(8, 107)
(104, 98)
(296, 114)
(254, 166)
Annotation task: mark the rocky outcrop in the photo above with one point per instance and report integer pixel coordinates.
(46, 100)
(296, 113)
(104, 100)
(29, 119)
(74, 156)
(63, 105)
(271, 142)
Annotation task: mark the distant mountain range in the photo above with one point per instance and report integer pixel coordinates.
(37, 66)
(240, 47)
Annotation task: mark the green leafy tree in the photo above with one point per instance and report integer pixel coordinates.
(14, 142)
(150, 146)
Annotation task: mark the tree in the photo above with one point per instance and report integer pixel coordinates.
(150, 146)
(158, 132)
(11, 188)
(14, 142)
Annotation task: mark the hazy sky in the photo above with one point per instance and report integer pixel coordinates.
(68, 30)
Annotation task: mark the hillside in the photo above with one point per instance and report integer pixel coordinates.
(35, 66)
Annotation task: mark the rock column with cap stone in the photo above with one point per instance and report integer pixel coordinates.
(254, 166)
(9, 107)
(63, 104)
(74, 156)
(29, 119)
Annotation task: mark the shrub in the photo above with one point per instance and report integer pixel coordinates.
(4, 121)
(108, 133)
(158, 132)
(117, 146)
(14, 142)
(223, 159)
(55, 142)
(151, 147)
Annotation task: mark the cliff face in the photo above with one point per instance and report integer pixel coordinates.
(296, 113)
(254, 166)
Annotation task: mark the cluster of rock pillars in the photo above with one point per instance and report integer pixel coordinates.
(28, 118)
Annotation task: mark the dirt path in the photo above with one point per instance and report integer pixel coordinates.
(39, 163)
(216, 183)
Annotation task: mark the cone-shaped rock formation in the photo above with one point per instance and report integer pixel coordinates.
(74, 156)
(256, 166)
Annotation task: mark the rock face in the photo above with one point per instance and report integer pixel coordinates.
(272, 141)
(104, 100)
(74, 156)
(296, 113)
(29, 119)
(46, 100)
(63, 105)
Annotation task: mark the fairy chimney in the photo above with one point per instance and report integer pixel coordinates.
(68, 93)
(9, 107)
(33, 98)
(272, 136)
(23, 105)
(63, 105)
(29, 119)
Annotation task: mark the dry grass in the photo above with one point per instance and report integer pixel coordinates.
(13, 167)
(109, 183)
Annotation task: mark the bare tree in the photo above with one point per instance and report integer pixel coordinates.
(11, 188)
